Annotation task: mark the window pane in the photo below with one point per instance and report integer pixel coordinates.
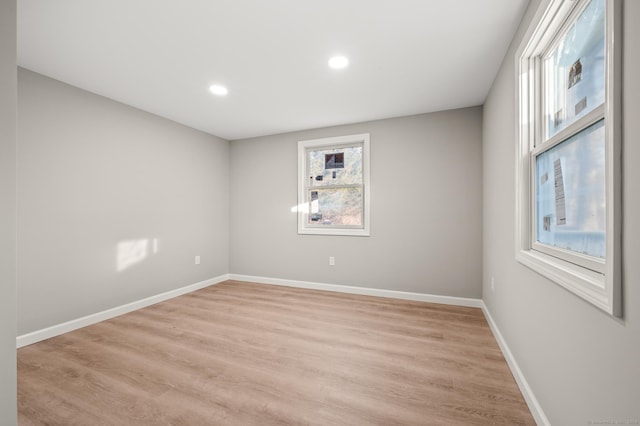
(340, 166)
(574, 71)
(570, 193)
(339, 206)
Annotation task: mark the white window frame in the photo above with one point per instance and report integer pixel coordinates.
(303, 186)
(597, 282)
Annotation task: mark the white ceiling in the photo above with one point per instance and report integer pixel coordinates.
(406, 57)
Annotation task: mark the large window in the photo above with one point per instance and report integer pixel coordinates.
(568, 165)
(333, 186)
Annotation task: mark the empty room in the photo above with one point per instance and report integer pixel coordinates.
(349, 212)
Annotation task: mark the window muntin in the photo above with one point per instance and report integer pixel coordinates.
(333, 186)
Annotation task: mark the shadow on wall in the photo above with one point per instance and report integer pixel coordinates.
(131, 252)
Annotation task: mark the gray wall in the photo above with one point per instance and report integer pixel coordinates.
(425, 208)
(7, 212)
(581, 363)
(94, 173)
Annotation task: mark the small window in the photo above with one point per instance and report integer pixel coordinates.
(568, 164)
(333, 186)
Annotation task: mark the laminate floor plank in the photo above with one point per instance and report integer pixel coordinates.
(251, 354)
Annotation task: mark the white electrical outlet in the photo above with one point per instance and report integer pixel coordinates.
(493, 284)
(332, 261)
(197, 260)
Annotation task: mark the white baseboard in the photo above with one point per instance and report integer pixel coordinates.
(527, 392)
(65, 327)
(366, 291)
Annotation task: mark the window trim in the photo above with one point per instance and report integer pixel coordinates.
(327, 143)
(551, 19)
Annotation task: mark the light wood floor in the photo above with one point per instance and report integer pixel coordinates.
(250, 354)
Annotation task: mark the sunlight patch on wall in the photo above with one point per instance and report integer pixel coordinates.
(304, 208)
(131, 252)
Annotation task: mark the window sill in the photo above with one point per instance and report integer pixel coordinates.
(583, 282)
(335, 231)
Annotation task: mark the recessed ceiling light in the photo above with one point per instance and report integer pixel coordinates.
(338, 62)
(219, 90)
